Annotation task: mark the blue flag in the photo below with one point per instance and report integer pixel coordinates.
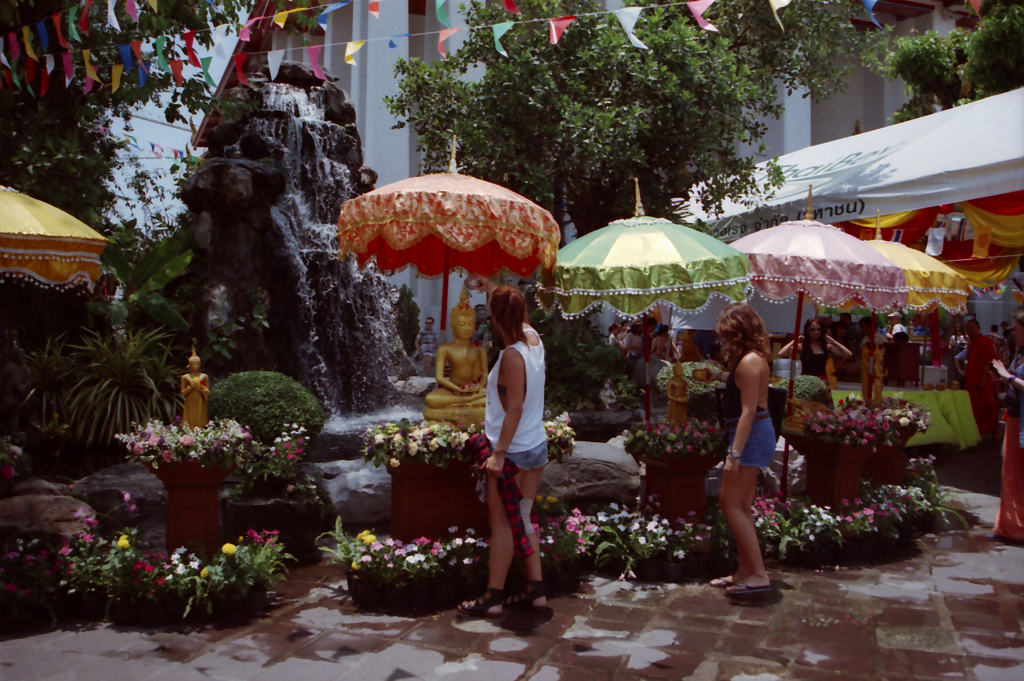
(126, 58)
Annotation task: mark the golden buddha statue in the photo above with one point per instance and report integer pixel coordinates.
(865, 374)
(195, 386)
(462, 395)
(678, 394)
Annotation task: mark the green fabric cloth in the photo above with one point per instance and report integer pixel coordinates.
(952, 421)
(632, 263)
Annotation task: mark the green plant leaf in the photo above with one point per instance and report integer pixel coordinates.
(115, 261)
(156, 258)
(161, 310)
(118, 312)
(165, 274)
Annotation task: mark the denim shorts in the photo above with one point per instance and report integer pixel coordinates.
(531, 458)
(760, 448)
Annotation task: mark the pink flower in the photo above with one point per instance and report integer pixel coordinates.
(365, 559)
(87, 538)
(290, 457)
(188, 440)
(65, 550)
(7, 472)
(12, 588)
(167, 455)
(153, 439)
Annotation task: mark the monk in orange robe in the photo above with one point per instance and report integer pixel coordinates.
(978, 380)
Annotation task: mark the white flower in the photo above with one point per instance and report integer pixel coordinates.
(653, 525)
(453, 529)
(642, 540)
(379, 439)
(467, 561)
(413, 447)
(904, 421)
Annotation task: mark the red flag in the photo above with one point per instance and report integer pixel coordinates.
(30, 69)
(44, 82)
(60, 36)
(89, 82)
(558, 27)
(176, 65)
(137, 49)
(510, 6)
(83, 23)
(239, 60)
(15, 50)
(442, 36)
(193, 58)
(69, 68)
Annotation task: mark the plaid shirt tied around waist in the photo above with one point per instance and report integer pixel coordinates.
(478, 450)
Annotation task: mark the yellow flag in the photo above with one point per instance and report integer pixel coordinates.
(152, 3)
(115, 76)
(89, 70)
(776, 6)
(28, 43)
(352, 48)
(281, 17)
(982, 238)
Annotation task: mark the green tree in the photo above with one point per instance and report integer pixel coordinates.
(964, 66)
(592, 112)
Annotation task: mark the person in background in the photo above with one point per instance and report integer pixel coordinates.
(751, 439)
(1009, 524)
(995, 332)
(614, 338)
(1009, 342)
(689, 350)
(662, 347)
(814, 348)
(704, 340)
(633, 345)
(978, 380)
(896, 331)
(841, 333)
(478, 332)
(958, 342)
(426, 346)
(852, 330)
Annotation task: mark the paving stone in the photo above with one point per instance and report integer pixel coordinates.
(549, 672)
(922, 664)
(984, 645)
(838, 657)
(915, 638)
(995, 670)
(336, 647)
(908, 617)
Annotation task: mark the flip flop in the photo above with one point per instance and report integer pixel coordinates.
(721, 583)
(746, 589)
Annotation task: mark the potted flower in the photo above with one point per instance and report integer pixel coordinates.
(192, 463)
(687, 545)
(263, 556)
(677, 460)
(564, 539)
(420, 565)
(122, 578)
(352, 552)
(813, 532)
(14, 464)
(857, 530)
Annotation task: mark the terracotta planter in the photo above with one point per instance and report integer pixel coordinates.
(427, 500)
(886, 466)
(679, 484)
(833, 471)
(193, 504)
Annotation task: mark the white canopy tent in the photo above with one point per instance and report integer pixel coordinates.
(968, 152)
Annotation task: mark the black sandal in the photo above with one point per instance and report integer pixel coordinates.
(481, 607)
(526, 598)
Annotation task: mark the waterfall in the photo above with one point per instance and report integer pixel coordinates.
(333, 324)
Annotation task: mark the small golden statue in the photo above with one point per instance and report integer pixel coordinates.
(865, 374)
(678, 394)
(461, 396)
(195, 386)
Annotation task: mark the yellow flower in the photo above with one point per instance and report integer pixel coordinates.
(359, 537)
(539, 499)
(228, 549)
(355, 565)
(123, 543)
(369, 539)
(205, 573)
(546, 507)
(551, 500)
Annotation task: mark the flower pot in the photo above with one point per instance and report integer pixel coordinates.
(832, 552)
(856, 551)
(366, 595)
(719, 566)
(886, 466)
(445, 593)
(792, 558)
(613, 568)
(693, 566)
(151, 613)
(648, 569)
(193, 504)
(417, 509)
(679, 484)
(473, 587)
(174, 610)
(673, 571)
(124, 612)
(398, 597)
(256, 602)
(90, 606)
(228, 608)
(812, 557)
(422, 598)
(833, 471)
(885, 547)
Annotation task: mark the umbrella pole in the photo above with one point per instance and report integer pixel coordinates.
(933, 331)
(444, 298)
(784, 486)
(647, 374)
(871, 360)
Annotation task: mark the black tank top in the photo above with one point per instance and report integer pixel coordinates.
(732, 403)
(815, 364)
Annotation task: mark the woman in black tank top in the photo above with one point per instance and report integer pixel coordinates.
(751, 440)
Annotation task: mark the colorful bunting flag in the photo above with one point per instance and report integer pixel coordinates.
(14, 75)
(976, 4)
(132, 10)
(160, 59)
(392, 44)
(111, 17)
(351, 49)
(137, 49)
(89, 70)
(115, 77)
(84, 23)
(869, 5)
(374, 8)
(49, 61)
(219, 33)
(89, 82)
(3, 57)
(776, 6)
(30, 69)
(193, 58)
(126, 57)
(72, 31)
(60, 36)
(206, 71)
(176, 65)
(558, 26)
(44, 37)
(442, 13)
(698, 8)
(143, 72)
(244, 35)
(239, 60)
(510, 6)
(69, 68)
(152, 3)
(28, 43)
(627, 16)
(15, 51)
(44, 82)
(281, 17)
(500, 30)
(322, 19)
(982, 238)
(313, 52)
(441, 37)
(274, 59)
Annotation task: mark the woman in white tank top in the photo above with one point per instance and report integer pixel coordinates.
(514, 426)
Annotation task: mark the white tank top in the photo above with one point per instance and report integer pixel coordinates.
(530, 432)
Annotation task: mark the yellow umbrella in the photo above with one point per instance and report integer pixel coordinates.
(44, 245)
(930, 282)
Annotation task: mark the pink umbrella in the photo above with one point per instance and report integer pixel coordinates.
(825, 263)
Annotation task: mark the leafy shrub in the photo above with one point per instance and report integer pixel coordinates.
(701, 395)
(267, 402)
(810, 389)
(408, 313)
